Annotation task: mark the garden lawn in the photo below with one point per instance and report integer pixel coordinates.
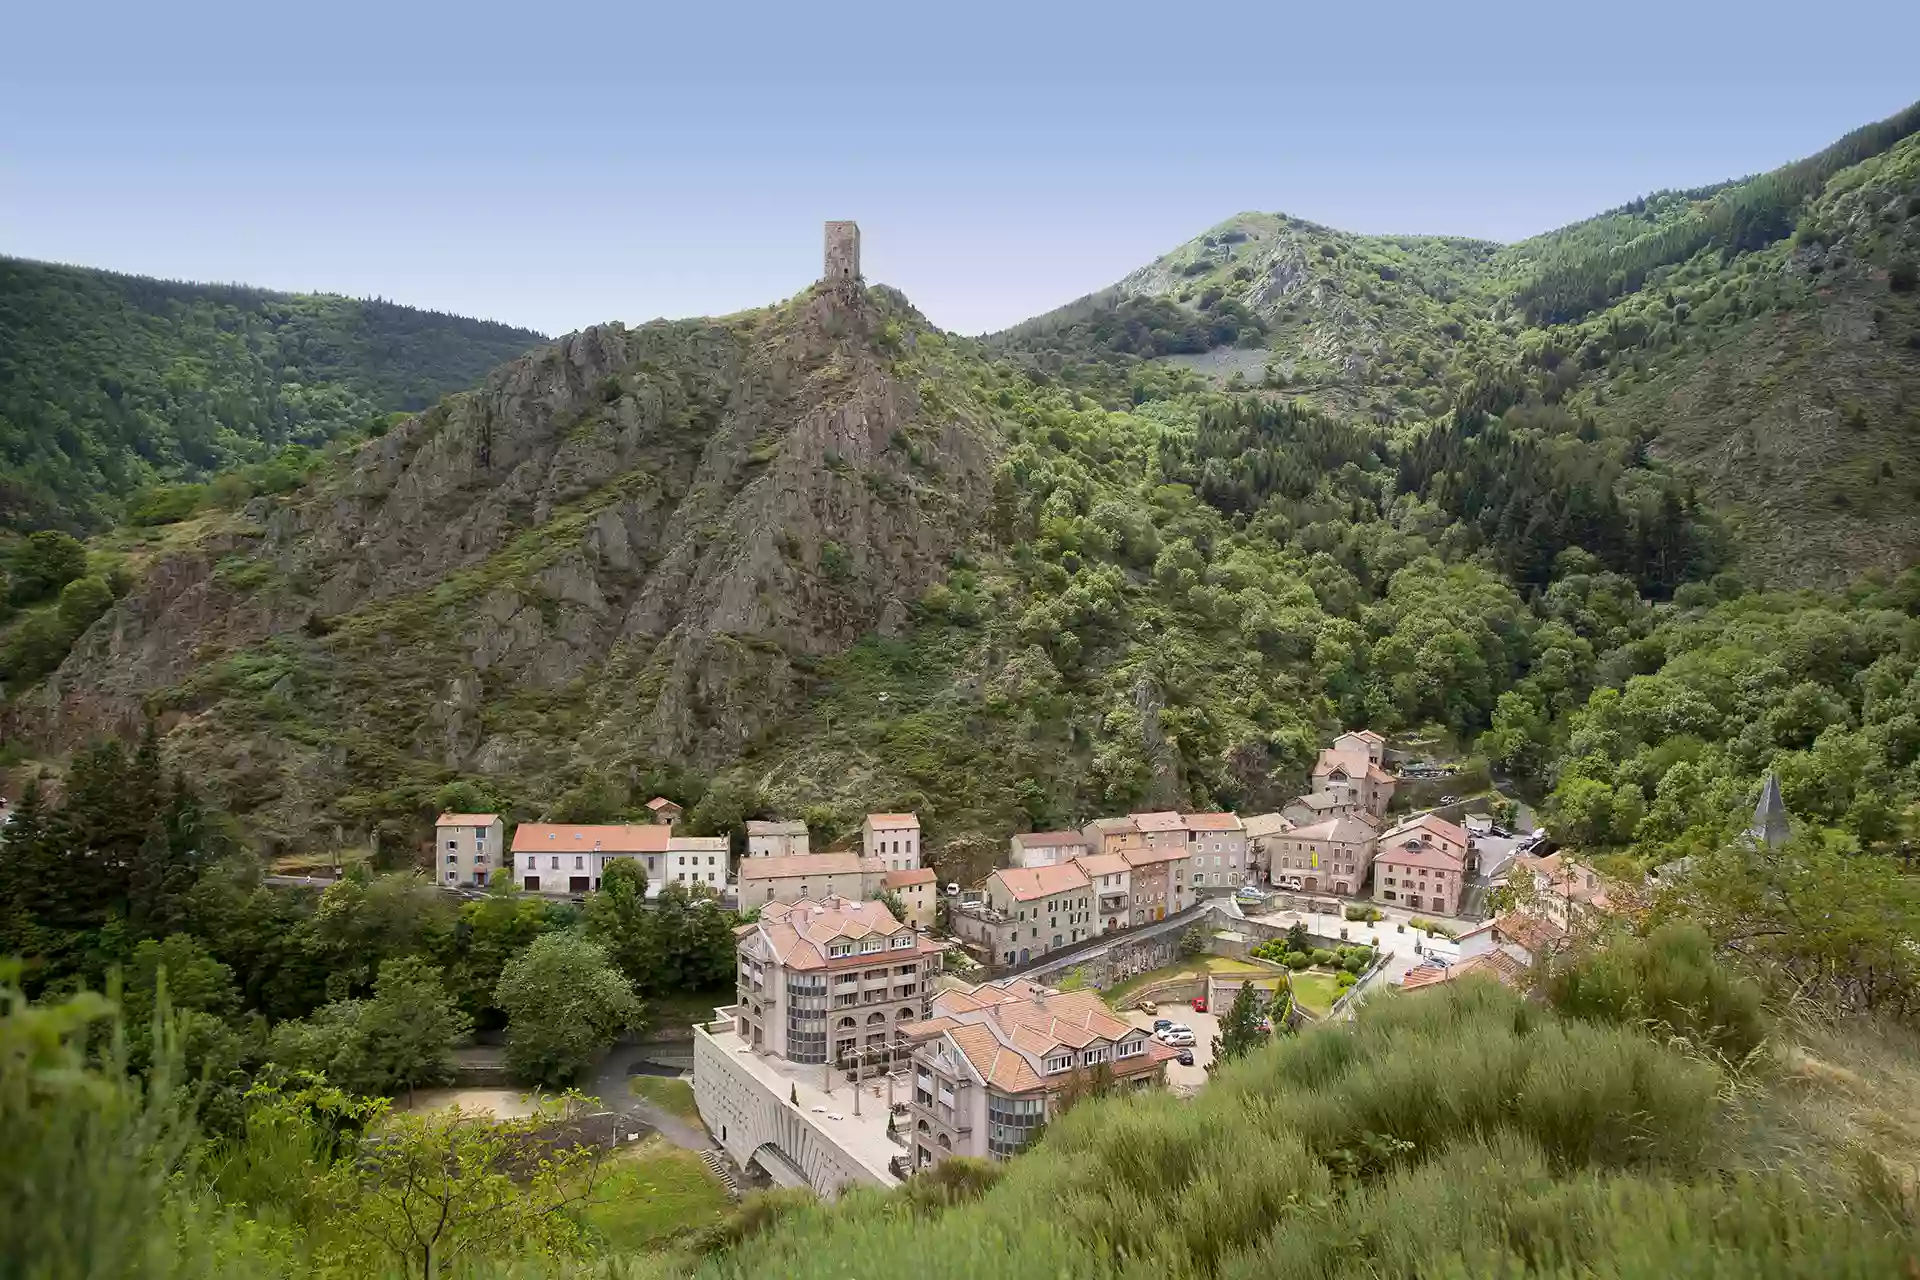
(651, 1194)
(1194, 967)
(665, 1091)
(1315, 991)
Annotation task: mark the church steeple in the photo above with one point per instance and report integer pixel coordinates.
(1770, 824)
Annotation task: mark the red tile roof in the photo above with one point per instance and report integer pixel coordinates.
(1344, 829)
(1147, 857)
(1535, 933)
(920, 875)
(1045, 839)
(1028, 883)
(1166, 821)
(1103, 864)
(1212, 822)
(466, 820)
(1439, 828)
(557, 837)
(891, 821)
(803, 864)
(661, 802)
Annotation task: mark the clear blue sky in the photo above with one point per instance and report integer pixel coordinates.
(558, 165)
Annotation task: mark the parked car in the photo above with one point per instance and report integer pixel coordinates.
(1148, 1006)
(1178, 1039)
(1162, 1024)
(1186, 1058)
(1449, 799)
(1199, 1004)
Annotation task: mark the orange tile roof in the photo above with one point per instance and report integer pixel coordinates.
(1164, 821)
(559, 837)
(1497, 965)
(920, 875)
(1028, 883)
(797, 934)
(1103, 864)
(1268, 824)
(1212, 822)
(1378, 774)
(1146, 857)
(1535, 933)
(1436, 826)
(802, 864)
(1367, 734)
(1344, 829)
(466, 820)
(1044, 839)
(1430, 856)
(661, 802)
(891, 821)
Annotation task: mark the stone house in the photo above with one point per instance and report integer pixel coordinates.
(893, 838)
(799, 877)
(1046, 908)
(776, 839)
(1262, 829)
(1157, 878)
(1163, 830)
(1113, 835)
(1327, 857)
(917, 891)
(468, 848)
(1216, 850)
(1318, 806)
(1355, 766)
(698, 860)
(1521, 935)
(1112, 880)
(1045, 848)
(990, 1065)
(664, 811)
(1421, 866)
(567, 858)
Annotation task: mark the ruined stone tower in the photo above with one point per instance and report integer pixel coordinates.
(843, 253)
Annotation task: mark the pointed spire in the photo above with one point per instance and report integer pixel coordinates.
(1770, 824)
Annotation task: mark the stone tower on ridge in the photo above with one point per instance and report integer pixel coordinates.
(843, 253)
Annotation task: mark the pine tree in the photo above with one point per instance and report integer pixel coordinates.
(1240, 1030)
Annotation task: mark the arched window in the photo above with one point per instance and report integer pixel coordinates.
(846, 1024)
(876, 1017)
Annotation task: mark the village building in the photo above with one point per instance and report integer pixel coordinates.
(815, 876)
(698, 860)
(893, 839)
(1162, 830)
(1216, 850)
(1520, 935)
(917, 891)
(567, 858)
(469, 848)
(1262, 830)
(820, 979)
(1560, 888)
(1318, 806)
(1045, 848)
(1113, 835)
(991, 1064)
(1157, 878)
(777, 839)
(1043, 909)
(1354, 768)
(664, 811)
(1421, 866)
(1112, 881)
(1332, 856)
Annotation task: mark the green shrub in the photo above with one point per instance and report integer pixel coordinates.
(1297, 960)
(1670, 981)
(1322, 957)
(167, 504)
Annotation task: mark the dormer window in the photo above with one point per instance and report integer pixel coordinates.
(1058, 1063)
(1096, 1054)
(840, 949)
(870, 944)
(1130, 1048)
(902, 941)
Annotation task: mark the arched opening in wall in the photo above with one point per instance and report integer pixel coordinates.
(920, 1126)
(944, 1144)
(876, 1019)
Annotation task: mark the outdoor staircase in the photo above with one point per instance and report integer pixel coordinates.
(717, 1163)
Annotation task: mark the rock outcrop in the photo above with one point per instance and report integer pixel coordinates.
(624, 549)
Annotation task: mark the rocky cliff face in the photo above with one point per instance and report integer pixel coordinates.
(622, 550)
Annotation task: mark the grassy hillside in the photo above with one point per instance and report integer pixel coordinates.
(111, 383)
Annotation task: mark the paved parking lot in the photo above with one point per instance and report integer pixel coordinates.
(1205, 1027)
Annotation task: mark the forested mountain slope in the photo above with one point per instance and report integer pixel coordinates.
(1760, 334)
(110, 383)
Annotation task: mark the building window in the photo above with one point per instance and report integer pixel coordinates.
(840, 949)
(1059, 1063)
(554, 863)
(453, 844)
(1132, 1048)
(902, 941)
(1098, 1053)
